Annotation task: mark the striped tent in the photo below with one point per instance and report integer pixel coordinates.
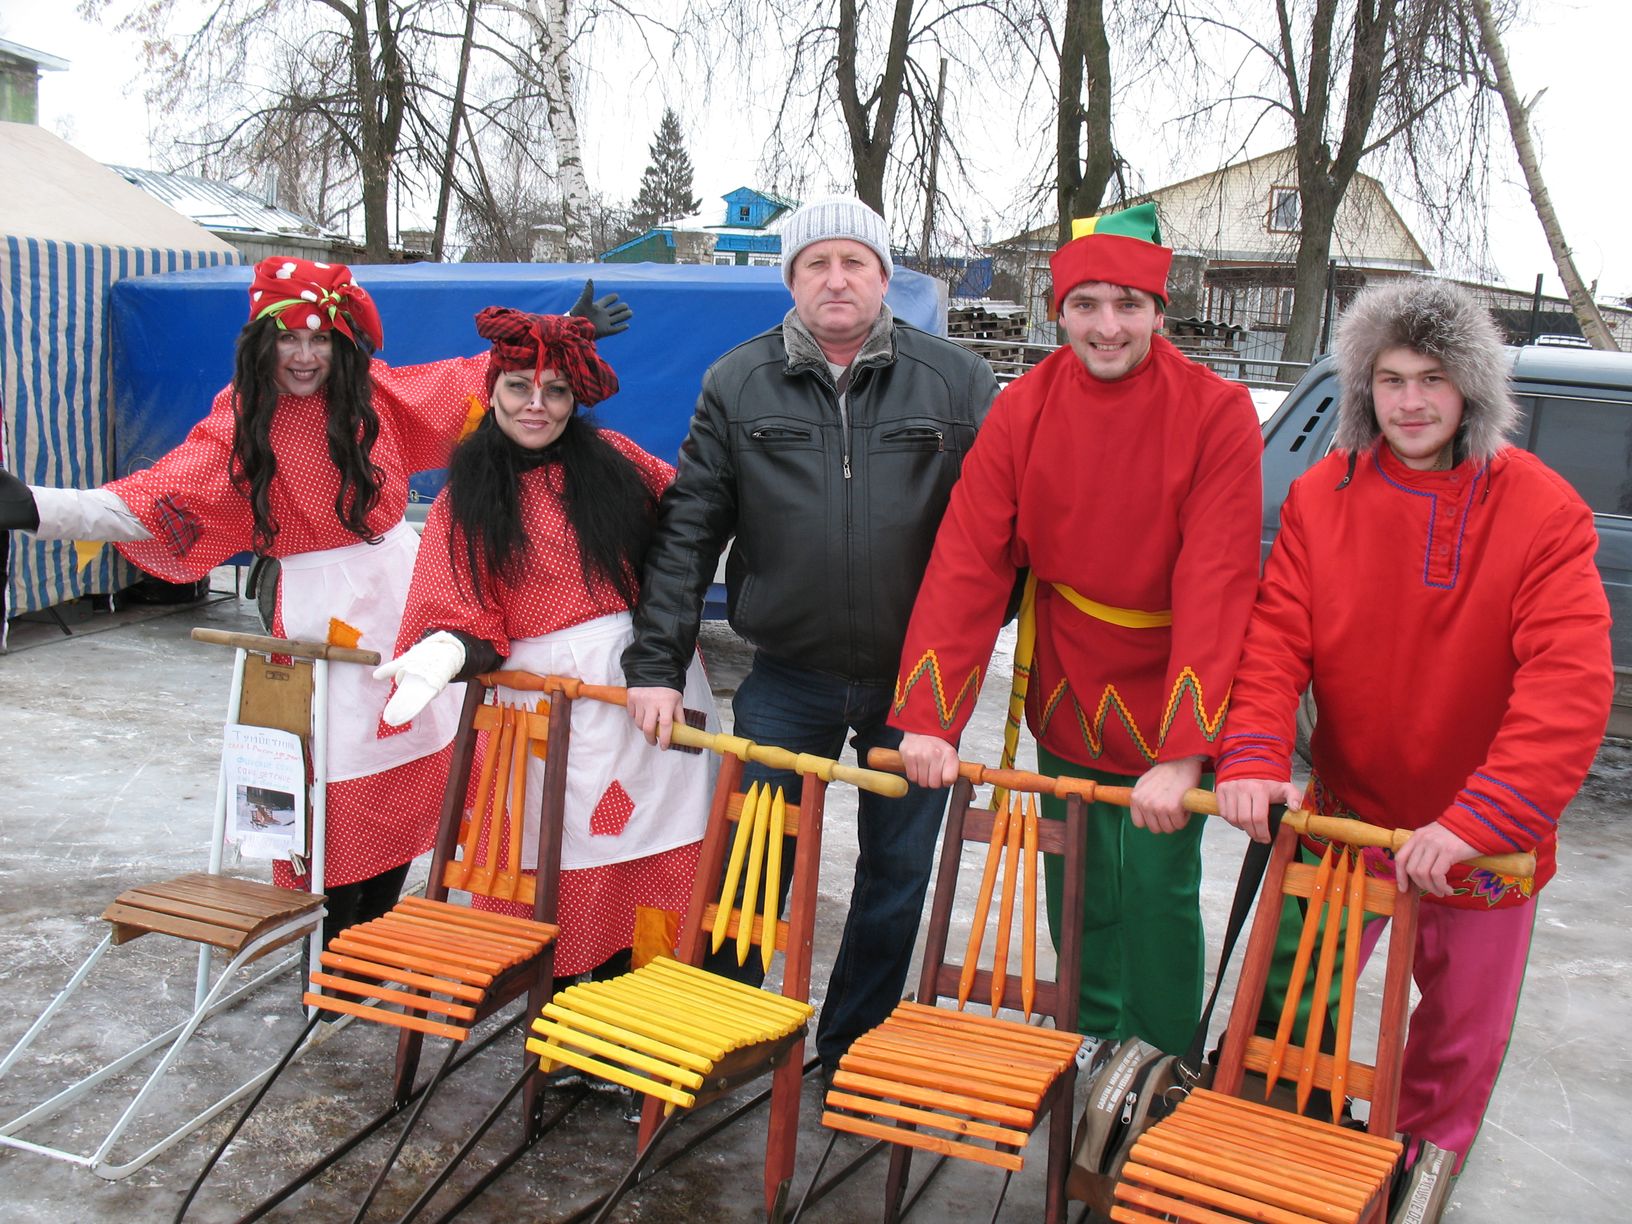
(69, 228)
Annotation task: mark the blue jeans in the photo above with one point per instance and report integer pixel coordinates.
(810, 711)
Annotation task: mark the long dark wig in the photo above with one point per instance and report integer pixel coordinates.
(353, 428)
(609, 507)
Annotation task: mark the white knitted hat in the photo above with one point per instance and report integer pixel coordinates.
(834, 217)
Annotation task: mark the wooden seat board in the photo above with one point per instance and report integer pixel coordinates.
(386, 954)
(927, 1143)
(249, 897)
(1026, 1034)
(969, 1127)
(462, 915)
(973, 1076)
(734, 1030)
(389, 973)
(1334, 1161)
(454, 917)
(428, 929)
(927, 1095)
(1020, 1097)
(888, 1040)
(1283, 1211)
(1213, 1164)
(699, 1045)
(400, 942)
(384, 1015)
(414, 1002)
(1171, 1209)
(645, 1043)
(557, 1036)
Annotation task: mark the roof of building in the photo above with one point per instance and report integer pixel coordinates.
(221, 207)
(47, 63)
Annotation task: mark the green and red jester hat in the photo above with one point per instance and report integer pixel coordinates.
(1115, 248)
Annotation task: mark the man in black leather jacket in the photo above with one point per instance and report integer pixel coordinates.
(827, 448)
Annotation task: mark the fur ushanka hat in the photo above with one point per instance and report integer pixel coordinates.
(1437, 319)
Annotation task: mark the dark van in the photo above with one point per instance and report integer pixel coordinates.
(1577, 417)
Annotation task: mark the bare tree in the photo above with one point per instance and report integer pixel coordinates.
(362, 69)
(1084, 156)
(1518, 118)
(1349, 78)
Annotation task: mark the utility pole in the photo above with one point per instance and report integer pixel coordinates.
(934, 164)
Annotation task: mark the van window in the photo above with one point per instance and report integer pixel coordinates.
(1589, 443)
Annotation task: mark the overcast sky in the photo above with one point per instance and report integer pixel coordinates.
(1576, 49)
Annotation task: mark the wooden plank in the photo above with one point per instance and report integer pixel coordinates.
(928, 1143)
(926, 1118)
(394, 973)
(406, 999)
(130, 922)
(1003, 1113)
(384, 1015)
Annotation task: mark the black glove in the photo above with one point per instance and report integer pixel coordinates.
(609, 314)
(17, 509)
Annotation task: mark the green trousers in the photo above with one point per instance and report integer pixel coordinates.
(1142, 943)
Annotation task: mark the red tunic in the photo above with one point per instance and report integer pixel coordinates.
(596, 904)
(1458, 635)
(198, 519)
(1140, 494)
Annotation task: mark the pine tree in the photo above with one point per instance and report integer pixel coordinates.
(665, 187)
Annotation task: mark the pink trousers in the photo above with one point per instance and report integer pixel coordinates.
(1469, 966)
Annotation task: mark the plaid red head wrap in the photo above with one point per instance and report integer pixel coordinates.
(300, 293)
(563, 343)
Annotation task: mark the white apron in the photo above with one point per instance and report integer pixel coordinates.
(625, 798)
(366, 586)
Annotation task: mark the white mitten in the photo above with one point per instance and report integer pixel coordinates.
(421, 672)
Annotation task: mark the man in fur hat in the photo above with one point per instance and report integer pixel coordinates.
(1437, 586)
(1126, 477)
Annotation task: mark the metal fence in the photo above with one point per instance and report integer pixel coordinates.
(1011, 358)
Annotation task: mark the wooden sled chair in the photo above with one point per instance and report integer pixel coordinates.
(433, 966)
(970, 1083)
(1226, 1154)
(221, 916)
(685, 1037)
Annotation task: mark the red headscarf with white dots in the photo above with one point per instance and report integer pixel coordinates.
(300, 293)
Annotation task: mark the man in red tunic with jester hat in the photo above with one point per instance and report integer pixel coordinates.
(1126, 478)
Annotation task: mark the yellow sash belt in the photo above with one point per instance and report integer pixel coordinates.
(1025, 652)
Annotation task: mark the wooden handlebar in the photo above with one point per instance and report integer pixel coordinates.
(890, 785)
(287, 646)
(1205, 803)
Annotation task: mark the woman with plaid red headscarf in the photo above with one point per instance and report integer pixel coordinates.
(532, 555)
(305, 458)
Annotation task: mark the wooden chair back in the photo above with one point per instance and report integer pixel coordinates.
(1015, 840)
(1339, 894)
(749, 826)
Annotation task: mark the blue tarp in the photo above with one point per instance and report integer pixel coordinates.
(173, 335)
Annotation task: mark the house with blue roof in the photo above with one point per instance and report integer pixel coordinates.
(747, 233)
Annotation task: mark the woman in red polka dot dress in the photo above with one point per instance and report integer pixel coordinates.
(531, 554)
(305, 457)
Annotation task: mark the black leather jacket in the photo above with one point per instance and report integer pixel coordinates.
(833, 520)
